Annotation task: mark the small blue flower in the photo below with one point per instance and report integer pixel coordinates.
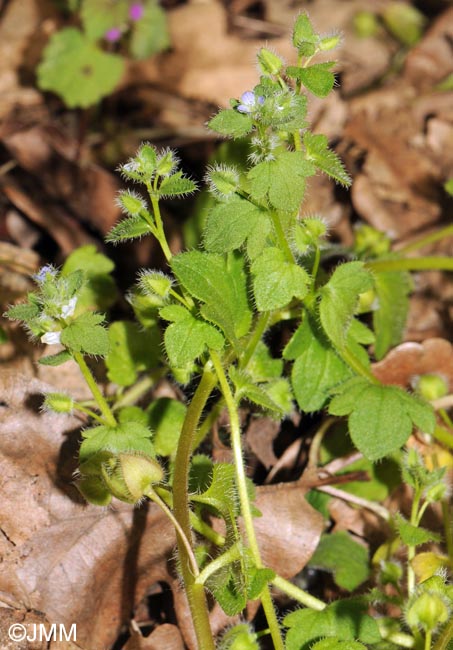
(43, 272)
(249, 102)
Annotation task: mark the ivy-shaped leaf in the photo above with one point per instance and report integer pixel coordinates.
(129, 228)
(381, 418)
(187, 337)
(413, 535)
(317, 368)
(128, 436)
(98, 16)
(339, 299)
(276, 281)
(346, 559)
(246, 388)
(218, 282)
(77, 70)
(231, 123)
(55, 359)
(389, 318)
(316, 146)
(176, 185)
(229, 224)
(343, 620)
(166, 417)
(150, 33)
(317, 78)
(281, 181)
(86, 334)
(132, 350)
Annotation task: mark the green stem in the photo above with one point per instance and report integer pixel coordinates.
(231, 555)
(446, 418)
(443, 436)
(428, 639)
(357, 366)
(98, 396)
(168, 513)
(297, 141)
(282, 241)
(298, 594)
(410, 548)
(135, 392)
(159, 225)
(246, 509)
(195, 593)
(316, 261)
(437, 263)
(87, 411)
(260, 328)
(427, 239)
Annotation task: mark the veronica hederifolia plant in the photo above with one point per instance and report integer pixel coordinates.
(261, 263)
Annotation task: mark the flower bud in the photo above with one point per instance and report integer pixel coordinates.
(365, 24)
(147, 159)
(269, 62)
(154, 283)
(223, 180)
(94, 490)
(427, 611)
(58, 402)
(329, 42)
(130, 476)
(239, 637)
(51, 338)
(130, 203)
(431, 386)
(166, 163)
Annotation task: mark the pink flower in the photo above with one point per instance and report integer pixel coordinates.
(136, 11)
(112, 35)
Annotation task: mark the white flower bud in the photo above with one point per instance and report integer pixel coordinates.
(69, 308)
(51, 338)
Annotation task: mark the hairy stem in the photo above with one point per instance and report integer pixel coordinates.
(282, 241)
(107, 414)
(298, 594)
(246, 509)
(195, 593)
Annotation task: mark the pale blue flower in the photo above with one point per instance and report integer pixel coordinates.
(249, 102)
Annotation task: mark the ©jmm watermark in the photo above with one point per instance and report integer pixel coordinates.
(42, 632)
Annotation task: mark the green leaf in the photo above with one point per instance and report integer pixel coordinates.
(317, 368)
(342, 620)
(99, 291)
(413, 535)
(276, 281)
(389, 319)
(86, 334)
(336, 644)
(324, 158)
(98, 16)
(317, 78)
(231, 123)
(129, 228)
(229, 224)
(281, 181)
(345, 558)
(187, 337)
(128, 436)
(339, 299)
(25, 311)
(166, 417)
(77, 70)
(381, 418)
(150, 33)
(132, 350)
(176, 185)
(262, 366)
(221, 495)
(55, 359)
(256, 393)
(220, 283)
